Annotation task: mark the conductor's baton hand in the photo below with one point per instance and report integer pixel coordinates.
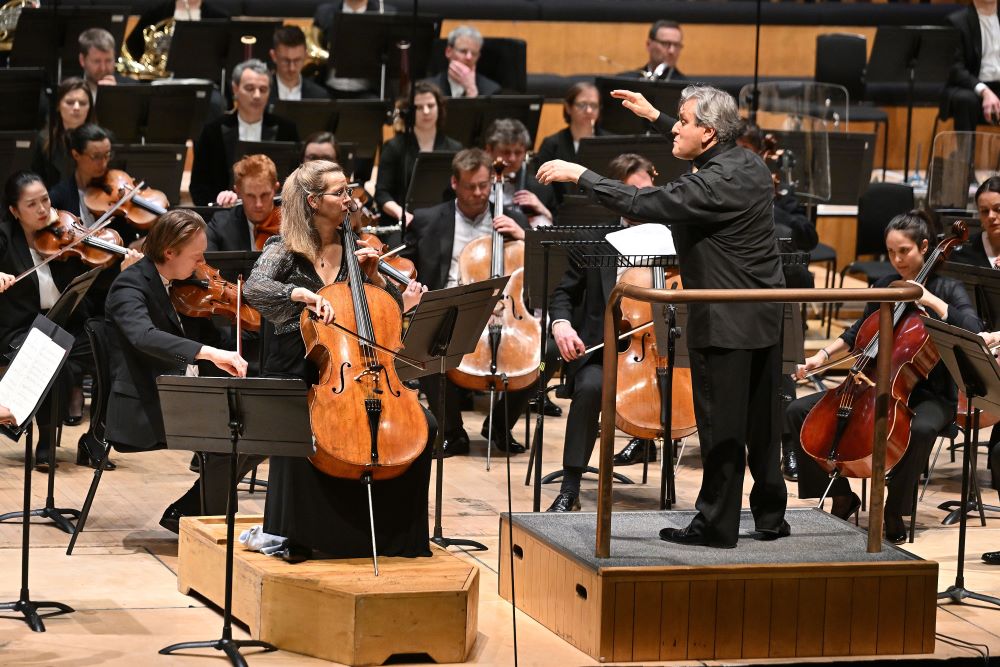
(637, 104)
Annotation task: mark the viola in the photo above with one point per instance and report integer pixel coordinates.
(643, 366)
(837, 432)
(511, 341)
(141, 211)
(270, 226)
(207, 293)
(366, 423)
(63, 238)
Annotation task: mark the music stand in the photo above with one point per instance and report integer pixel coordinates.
(210, 48)
(596, 152)
(21, 89)
(59, 314)
(162, 164)
(852, 156)
(974, 368)
(580, 211)
(444, 328)
(234, 416)
(15, 149)
(286, 155)
(664, 95)
(470, 117)
(48, 37)
(24, 605)
(430, 181)
(157, 114)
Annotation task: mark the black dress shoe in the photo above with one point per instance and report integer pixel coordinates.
(895, 529)
(89, 453)
(784, 530)
(501, 443)
(790, 466)
(550, 409)
(634, 451)
(72, 420)
(565, 502)
(687, 538)
(294, 553)
(455, 444)
(42, 460)
(992, 557)
(195, 465)
(171, 519)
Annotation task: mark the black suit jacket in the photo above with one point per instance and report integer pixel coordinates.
(145, 340)
(430, 238)
(163, 10)
(973, 252)
(229, 230)
(395, 164)
(485, 85)
(310, 90)
(968, 56)
(559, 146)
(215, 153)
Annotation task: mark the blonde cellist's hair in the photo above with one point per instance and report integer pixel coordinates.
(297, 228)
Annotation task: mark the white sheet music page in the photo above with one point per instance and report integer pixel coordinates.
(648, 239)
(23, 385)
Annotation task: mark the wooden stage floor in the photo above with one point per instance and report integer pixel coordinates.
(121, 579)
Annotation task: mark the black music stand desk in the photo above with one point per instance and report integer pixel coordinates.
(430, 180)
(234, 416)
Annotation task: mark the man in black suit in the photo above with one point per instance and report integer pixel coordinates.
(434, 241)
(465, 44)
(509, 140)
(723, 227)
(663, 44)
(971, 96)
(215, 149)
(147, 338)
(97, 58)
(288, 53)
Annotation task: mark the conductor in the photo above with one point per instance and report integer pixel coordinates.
(722, 222)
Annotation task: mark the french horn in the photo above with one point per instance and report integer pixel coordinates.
(10, 13)
(152, 64)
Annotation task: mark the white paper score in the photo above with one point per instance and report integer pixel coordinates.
(647, 239)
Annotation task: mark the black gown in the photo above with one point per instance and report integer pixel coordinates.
(310, 508)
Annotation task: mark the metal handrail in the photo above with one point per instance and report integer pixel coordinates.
(897, 292)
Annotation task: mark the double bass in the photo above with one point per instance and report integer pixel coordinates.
(511, 342)
(837, 432)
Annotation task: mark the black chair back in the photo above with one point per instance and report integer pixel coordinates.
(876, 207)
(840, 59)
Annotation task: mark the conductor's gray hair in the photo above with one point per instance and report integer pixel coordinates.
(465, 31)
(254, 65)
(715, 109)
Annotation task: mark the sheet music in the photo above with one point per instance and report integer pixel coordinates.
(23, 385)
(648, 239)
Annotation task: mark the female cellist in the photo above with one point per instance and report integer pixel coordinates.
(316, 512)
(932, 401)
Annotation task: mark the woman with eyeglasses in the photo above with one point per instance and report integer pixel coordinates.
(315, 512)
(581, 111)
(74, 107)
(400, 153)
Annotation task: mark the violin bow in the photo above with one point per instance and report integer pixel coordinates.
(409, 361)
(239, 320)
(624, 335)
(99, 224)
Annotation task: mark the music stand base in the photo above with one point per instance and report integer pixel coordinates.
(445, 542)
(553, 476)
(58, 515)
(957, 593)
(955, 510)
(29, 610)
(231, 647)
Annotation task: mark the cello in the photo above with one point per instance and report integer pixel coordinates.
(837, 432)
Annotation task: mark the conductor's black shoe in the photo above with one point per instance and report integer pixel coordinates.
(687, 538)
(992, 557)
(171, 519)
(89, 453)
(500, 441)
(455, 443)
(784, 530)
(293, 553)
(634, 451)
(565, 502)
(790, 466)
(895, 529)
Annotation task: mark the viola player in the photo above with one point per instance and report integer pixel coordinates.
(255, 218)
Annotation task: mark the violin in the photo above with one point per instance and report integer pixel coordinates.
(270, 226)
(511, 341)
(141, 211)
(837, 432)
(63, 238)
(366, 423)
(403, 269)
(643, 366)
(207, 293)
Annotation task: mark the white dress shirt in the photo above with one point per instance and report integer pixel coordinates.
(48, 293)
(250, 131)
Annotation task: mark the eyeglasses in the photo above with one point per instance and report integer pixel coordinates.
(338, 193)
(586, 106)
(100, 157)
(468, 53)
(668, 44)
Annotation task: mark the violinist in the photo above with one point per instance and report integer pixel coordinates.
(434, 242)
(147, 338)
(508, 139)
(320, 146)
(577, 310)
(74, 107)
(312, 510)
(932, 401)
(722, 223)
(248, 224)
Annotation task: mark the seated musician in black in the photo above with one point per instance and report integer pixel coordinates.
(509, 140)
(243, 225)
(663, 44)
(50, 155)
(434, 242)
(581, 111)
(147, 338)
(933, 401)
(312, 510)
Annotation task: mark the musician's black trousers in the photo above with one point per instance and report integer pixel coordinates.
(930, 417)
(737, 408)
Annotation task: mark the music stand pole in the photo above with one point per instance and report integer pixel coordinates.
(667, 493)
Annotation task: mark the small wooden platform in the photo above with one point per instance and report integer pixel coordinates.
(337, 609)
(666, 602)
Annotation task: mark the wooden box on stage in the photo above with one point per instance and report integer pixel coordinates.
(337, 609)
(651, 613)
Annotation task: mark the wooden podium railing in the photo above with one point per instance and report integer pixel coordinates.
(886, 297)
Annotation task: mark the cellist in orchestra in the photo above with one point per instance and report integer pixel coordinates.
(721, 218)
(253, 216)
(932, 401)
(316, 512)
(577, 310)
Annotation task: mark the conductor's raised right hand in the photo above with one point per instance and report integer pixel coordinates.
(226, 360)
(637, 104)
(568, 341)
